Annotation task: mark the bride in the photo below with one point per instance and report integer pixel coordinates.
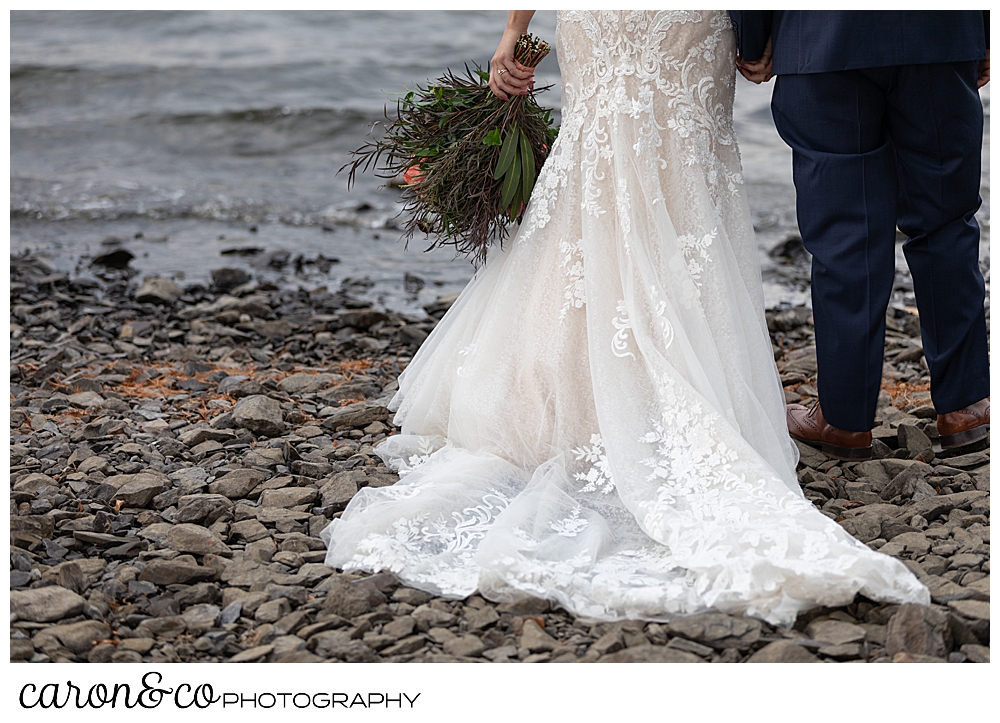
(598, 420)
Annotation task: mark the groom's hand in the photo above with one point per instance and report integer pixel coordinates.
(759, 71)
(984, 70)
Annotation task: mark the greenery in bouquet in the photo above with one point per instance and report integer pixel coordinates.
(468, 159)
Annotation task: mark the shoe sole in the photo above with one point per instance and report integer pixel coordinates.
(847, 454)
(962, 440)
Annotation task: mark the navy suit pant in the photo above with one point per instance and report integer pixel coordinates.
(873, 150)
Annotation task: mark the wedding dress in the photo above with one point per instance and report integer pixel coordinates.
(598, 420)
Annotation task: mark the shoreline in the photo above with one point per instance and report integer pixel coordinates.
(176, 451)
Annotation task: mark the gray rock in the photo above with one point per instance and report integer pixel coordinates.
(289, 497)
(914, 441)
(338, 644)
(280, 516)
(311, 469)
(400, 627)
(975, 653)
(196, 540)
(650, 654)
(843, 651)
(913, 542)
(167, 627)
(251, 655)
(931, 509)
(238, 483)
(22, 649)
(340, 488)
(657, 634)
(226, 279)
(273, 610)
(194, 437)
(71, 576)
(915, 658)
(611, 642)
(406, 646)
(267, 458)
(428, 617)
(466, 646)
(835, 632)
(904, 483)
(86, 400)
(875, 471)
(918, 630)
(45, 604)
(969, 461)
(155, 532)
(76, 637)
(33, 482)
(141, 489)
(972, 609)
(260, 414)
(271, 329)
(158, 291)
(202, 508)
(535, 639)
(170, 572)
(306, 383)
(411, 596)
(783, 651)
(965, 559)
(247, 531)
(95, 464)
(922, 490)
(359, 414)
(717, 630)
(481, 618)
(249, 601)
(346, 600)
(231, 613)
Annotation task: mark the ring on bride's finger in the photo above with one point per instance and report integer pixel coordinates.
(501, 71)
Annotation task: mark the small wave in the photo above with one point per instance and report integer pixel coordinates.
(267, 115)
(104, 209)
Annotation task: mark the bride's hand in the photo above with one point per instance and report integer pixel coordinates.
(507, 76)
(759, 71)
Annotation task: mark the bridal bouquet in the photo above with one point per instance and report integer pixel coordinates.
(468, 159)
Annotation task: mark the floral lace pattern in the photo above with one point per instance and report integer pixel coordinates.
(598, 420)
(598, 476)
(574, 293)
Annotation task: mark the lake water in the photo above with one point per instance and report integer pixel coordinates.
(207, 132)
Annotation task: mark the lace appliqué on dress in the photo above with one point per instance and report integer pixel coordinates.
(598, 477)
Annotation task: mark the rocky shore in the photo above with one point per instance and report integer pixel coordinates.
(175, 453)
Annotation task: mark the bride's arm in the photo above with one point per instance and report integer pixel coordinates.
(506, 74)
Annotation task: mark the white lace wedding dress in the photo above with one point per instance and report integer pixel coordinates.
(598, 419)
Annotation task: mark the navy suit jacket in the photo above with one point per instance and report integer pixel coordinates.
(824, 41)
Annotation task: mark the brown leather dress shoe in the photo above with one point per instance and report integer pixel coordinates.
(807, 425)
(965, 428)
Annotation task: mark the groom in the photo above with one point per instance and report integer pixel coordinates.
(882, 111)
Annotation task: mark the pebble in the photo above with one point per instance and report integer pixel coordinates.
(175, 452)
